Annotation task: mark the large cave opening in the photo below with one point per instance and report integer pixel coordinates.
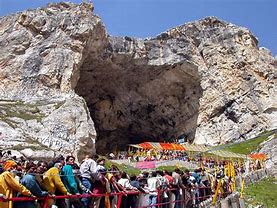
(131, 101)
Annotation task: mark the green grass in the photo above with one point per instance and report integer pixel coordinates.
(132, 170)
(10, 109)
(20, 110)
(8, 121)
(58, 105)
(170, 168)
(38, 144)
(251, 145)
(263, 193)
(32, 147)
(123, 167)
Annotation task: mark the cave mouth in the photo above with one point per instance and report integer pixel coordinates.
(131, 101)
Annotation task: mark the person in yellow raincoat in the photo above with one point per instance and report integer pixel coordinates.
(9, 185)
(53, 183)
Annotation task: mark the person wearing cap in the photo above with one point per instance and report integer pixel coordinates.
(9, 185)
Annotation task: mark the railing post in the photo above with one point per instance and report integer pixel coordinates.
(184, 197)
(119, 200)
(45, 205)
(159, 198)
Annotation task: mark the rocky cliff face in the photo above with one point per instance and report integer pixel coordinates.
(238, 80)
(41, 51)
(269, 147)
(207, 81)
(134, 94)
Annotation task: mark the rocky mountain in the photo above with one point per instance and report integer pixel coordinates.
(41, 53)
(269, 147)
(66, 85)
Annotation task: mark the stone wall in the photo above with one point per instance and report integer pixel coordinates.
(252, 177)
(234, 200)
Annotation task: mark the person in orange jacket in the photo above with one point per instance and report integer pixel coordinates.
(9, 185)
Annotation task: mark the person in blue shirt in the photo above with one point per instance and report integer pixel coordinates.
(69, 182)
(29, 181)
(67, 176)
(197, 183)
(197, 176)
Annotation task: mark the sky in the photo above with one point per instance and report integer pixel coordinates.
(148, 18)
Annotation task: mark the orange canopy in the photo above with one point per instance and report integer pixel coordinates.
(146, 145)
(162, 146)
(178, 147)
(258, 156)
(166, 146)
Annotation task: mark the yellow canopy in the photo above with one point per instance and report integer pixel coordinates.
(195, 147)
(136, 146)
(223, 153)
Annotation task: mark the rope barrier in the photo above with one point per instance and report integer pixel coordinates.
(89, 195)
(38, 174)
(119, 194)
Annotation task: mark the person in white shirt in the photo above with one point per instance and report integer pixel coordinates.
(177, 183)
(88, 170)
(154, 185)
(124, 181)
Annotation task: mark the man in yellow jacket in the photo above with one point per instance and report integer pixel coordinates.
(9, 185)
(53, 183)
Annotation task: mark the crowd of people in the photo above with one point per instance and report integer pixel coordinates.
(165, 155)
(151, 155)
(84, 185)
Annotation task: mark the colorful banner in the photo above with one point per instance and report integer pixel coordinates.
(160, 146)
(258, 156)
(146, 165)
(146, 145)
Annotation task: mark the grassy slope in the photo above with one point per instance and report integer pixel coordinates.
(170, 168)
(251, 145)
(263, 192)
(123, 167)
(132, 170)
(243, 148)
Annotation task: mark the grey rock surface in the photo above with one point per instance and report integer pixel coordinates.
(40, 53)
(207, 81)
(269, 148)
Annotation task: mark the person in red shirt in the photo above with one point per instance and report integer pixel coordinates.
(171, 196)
(101, 186)
(168, 177)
